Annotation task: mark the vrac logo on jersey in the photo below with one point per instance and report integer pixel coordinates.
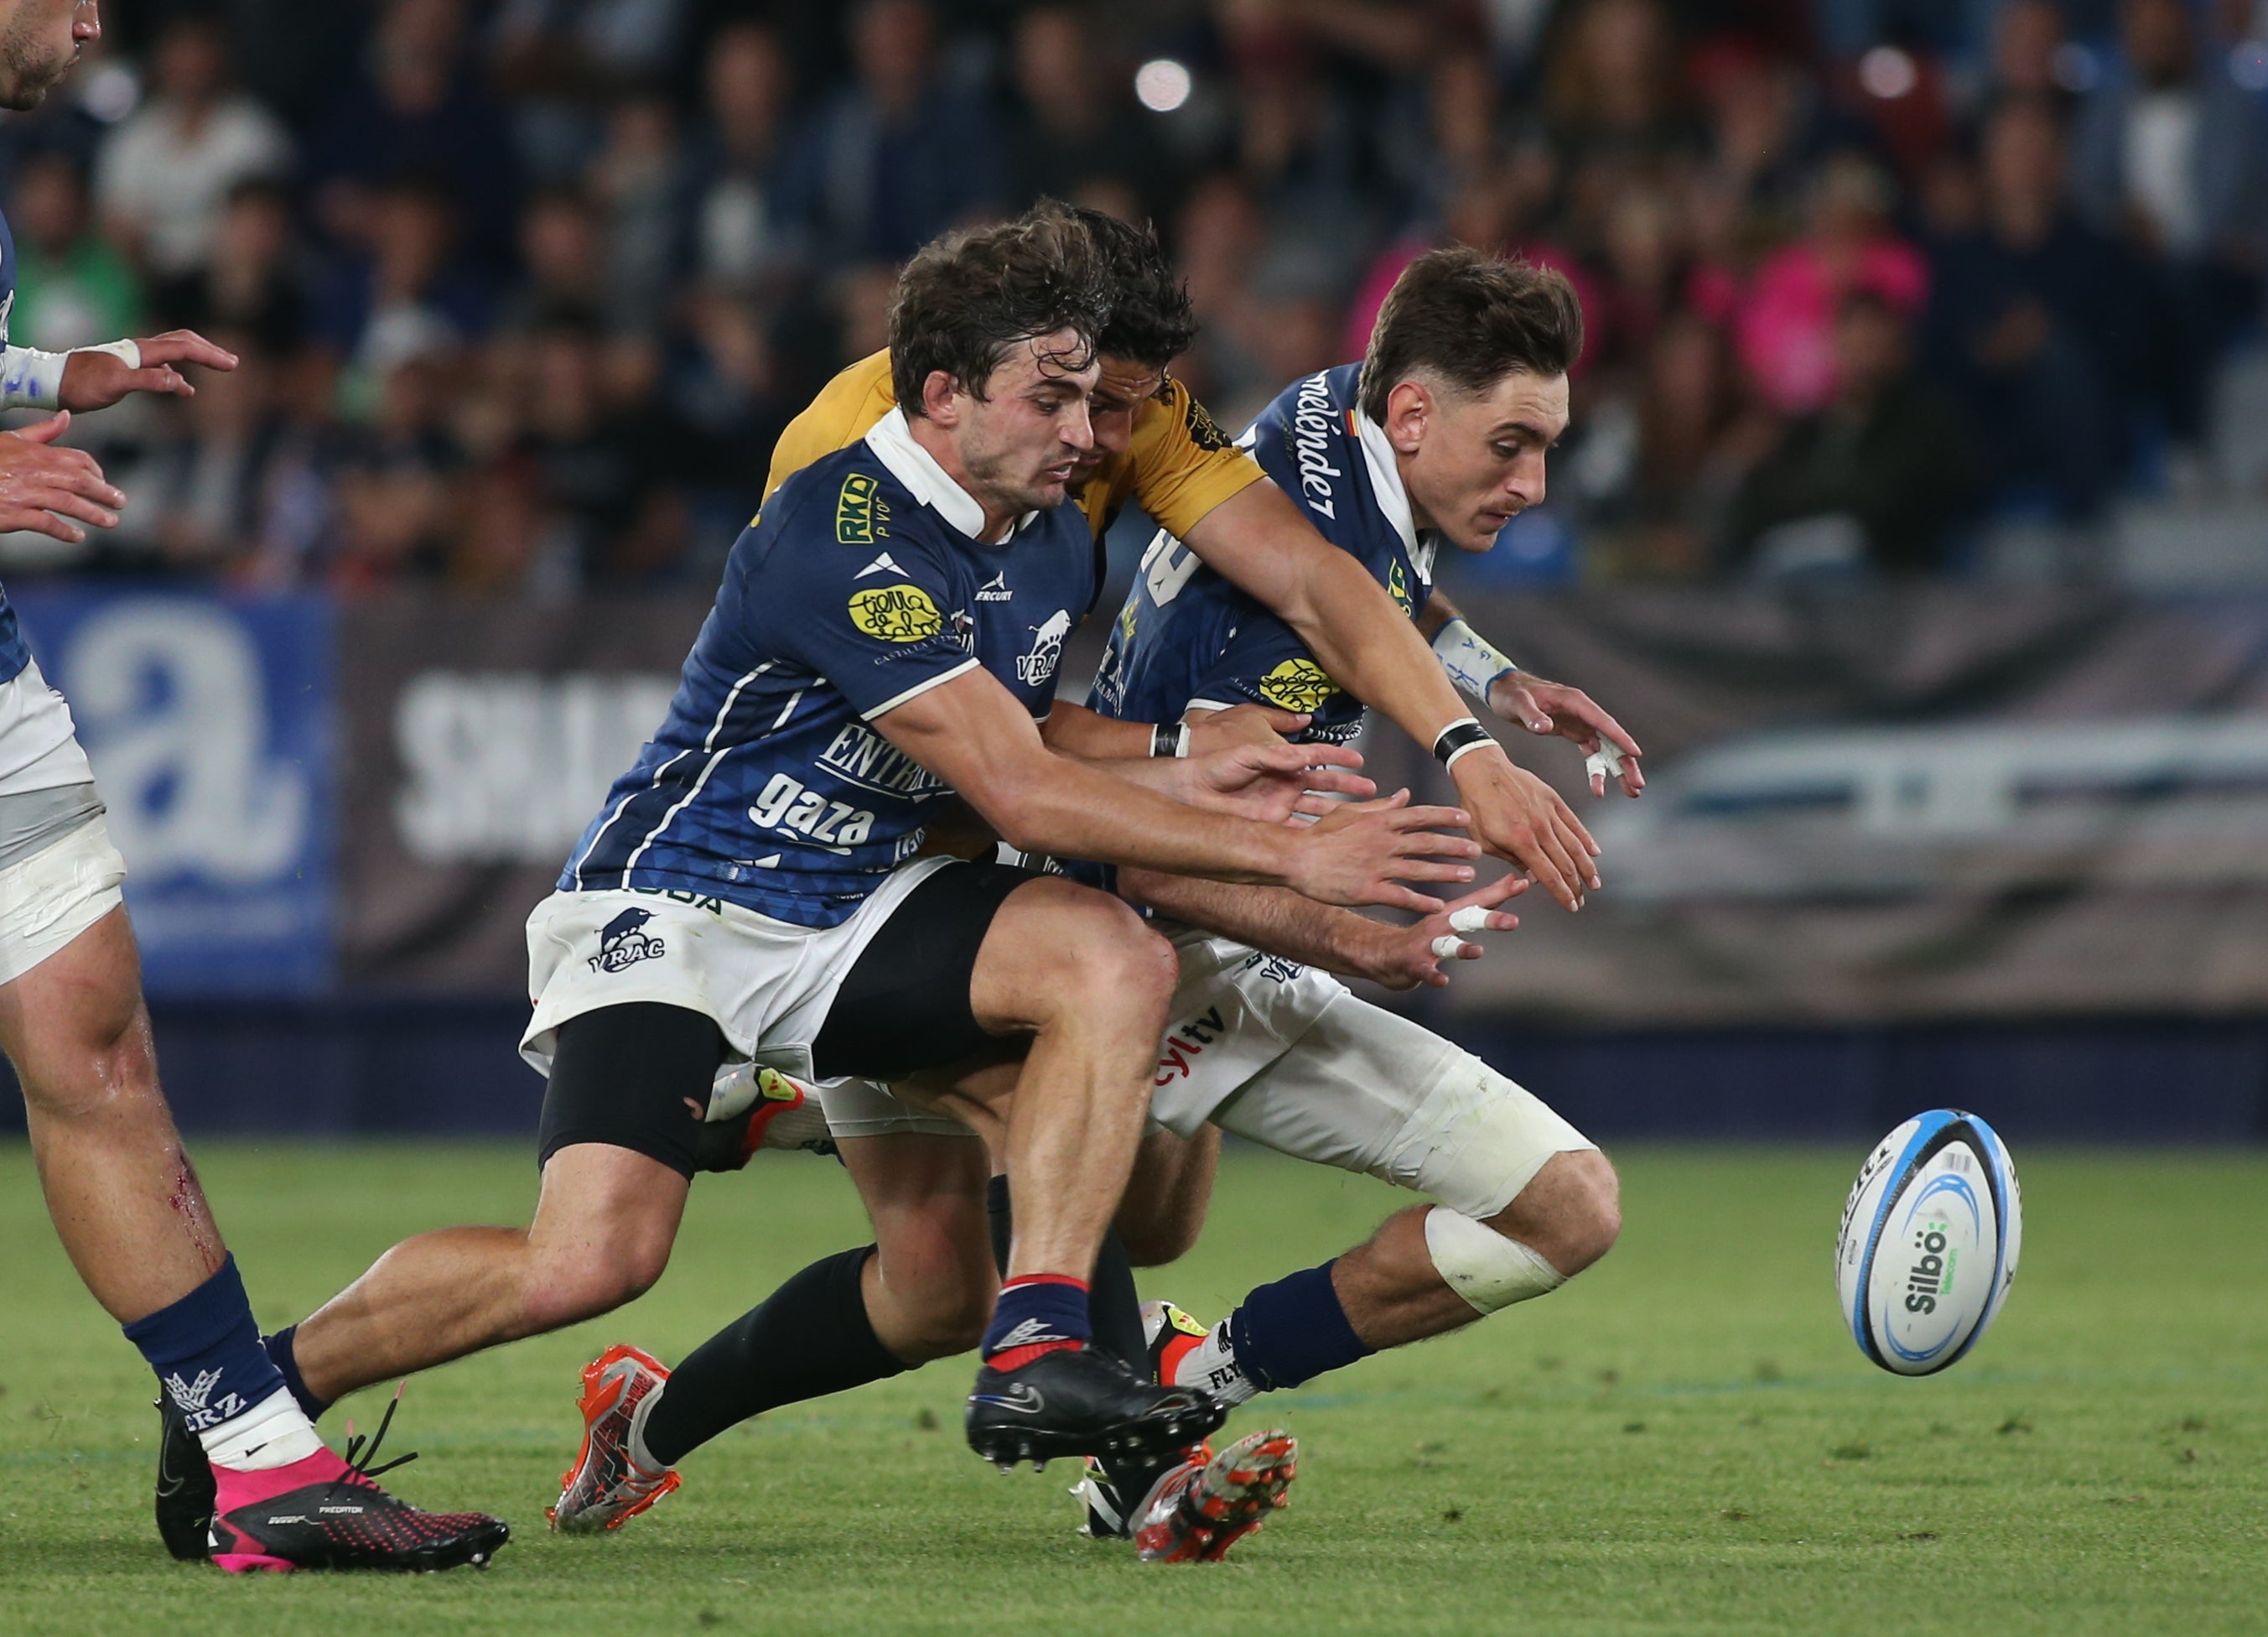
(860, 512)
(899, 613)
(1296, 685)
(1037, 666)
(624, 942)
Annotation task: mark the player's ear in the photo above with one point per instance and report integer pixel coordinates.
(941, 398)
(1408, 407)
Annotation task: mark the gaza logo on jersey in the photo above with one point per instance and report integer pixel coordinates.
(1036, 666)
(624, 942)
(1296, 685)
(900, 613)
(860, 512)
(1312, 424)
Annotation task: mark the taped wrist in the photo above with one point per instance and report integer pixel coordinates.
(1472, 662)
(33, 380)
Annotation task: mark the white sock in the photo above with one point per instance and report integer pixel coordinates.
(274, 1432)
(639, 1454)
(1211, 1364)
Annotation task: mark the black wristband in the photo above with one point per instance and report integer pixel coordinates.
(1458, 737)
(1170, 738)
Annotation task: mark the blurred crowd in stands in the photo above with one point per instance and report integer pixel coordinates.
(525, 288)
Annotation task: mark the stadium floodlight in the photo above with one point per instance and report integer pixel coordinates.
(1887, 73)
(1162, 84)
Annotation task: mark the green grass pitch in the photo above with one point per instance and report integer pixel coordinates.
(1684, 1440)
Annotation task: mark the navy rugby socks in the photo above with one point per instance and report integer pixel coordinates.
(206, 1350)
(1113, 1311)
(1292, 1331)
(808, 1338)
(287, 1364)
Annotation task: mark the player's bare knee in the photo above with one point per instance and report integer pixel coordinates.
(600, 1279)
(1571, 1214)
(1121, 959)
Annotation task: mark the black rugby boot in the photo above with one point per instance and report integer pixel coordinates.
(1076, 1401)
(186, 1489)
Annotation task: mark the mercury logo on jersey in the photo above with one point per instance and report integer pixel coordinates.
(899, 613)
(860, 512)
(1036, 666)
(1312, 421)
(995, 589)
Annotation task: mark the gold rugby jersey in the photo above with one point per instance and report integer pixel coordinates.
(1178, 466)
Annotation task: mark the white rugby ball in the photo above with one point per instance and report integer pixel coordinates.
(1929, 1242)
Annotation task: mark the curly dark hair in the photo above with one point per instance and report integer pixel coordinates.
(1152, 322)
(966, 301)
(1472, 319)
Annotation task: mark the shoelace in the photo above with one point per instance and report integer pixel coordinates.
(362, 1451)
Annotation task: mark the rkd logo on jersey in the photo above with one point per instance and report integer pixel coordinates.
(899, 613)
(860, 512)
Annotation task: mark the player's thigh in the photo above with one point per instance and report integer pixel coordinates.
(634, 1077)
(1367, 1090)
(906, 1004)
(1056, 948)
(924, 1194)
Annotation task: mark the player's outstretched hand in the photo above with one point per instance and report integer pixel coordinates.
(38, 481)
(1519, 818)
(1404, 957)
(1243, 724)
(1554, 708)
(95, 381)
(1272, 781)
(1365, 849)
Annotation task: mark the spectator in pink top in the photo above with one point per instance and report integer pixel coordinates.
(1783, 320)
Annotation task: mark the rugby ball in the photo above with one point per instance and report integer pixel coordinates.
(1929, 1242)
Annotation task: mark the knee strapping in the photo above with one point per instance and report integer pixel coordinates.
(1489, 1270)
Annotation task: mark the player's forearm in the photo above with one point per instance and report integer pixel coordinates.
(1074, 730)
(1272, 918)
(1261, 542)
(1438, 612)
(1058, 806)
(1366, 645)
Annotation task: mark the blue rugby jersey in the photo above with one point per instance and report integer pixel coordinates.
(860, 586)
(14, 656)
(1189, 637)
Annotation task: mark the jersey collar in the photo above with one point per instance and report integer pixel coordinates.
(1386, 486)
(892, 441)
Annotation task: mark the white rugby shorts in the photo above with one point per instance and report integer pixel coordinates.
(768, 984)
(39, 749)
(1286, 1056)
